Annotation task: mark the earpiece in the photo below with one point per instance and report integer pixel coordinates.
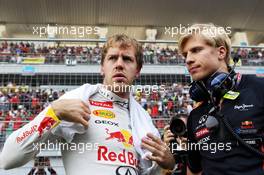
(220, 83)
(198, 91)
(215, 87)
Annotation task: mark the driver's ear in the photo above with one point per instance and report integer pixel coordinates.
(102, 72)
(138, 73)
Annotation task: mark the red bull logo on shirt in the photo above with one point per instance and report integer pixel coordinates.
(48, 122)
(123, 136)
(45, 124)
(247, 125)
(26, 134)
(104, 113)
(104, 154)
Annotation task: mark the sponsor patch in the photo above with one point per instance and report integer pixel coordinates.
(126, 170)
(123, 136)
(104, 113)
(106, 122)
(26, 134)
(243, 107)
(247, 125)
(49, 121)
(231, 95)
(201, 133)
(105, 104)
(105, 155)
(246, 131)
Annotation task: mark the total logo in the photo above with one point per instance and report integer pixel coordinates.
(105, 104)
(201, 133)
(26, 134)
(124, 157)
(123, 136)
(104, 113)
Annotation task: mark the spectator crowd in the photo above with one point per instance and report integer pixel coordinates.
(16, 52)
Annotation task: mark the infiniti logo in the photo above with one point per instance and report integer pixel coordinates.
(203, 119)
(126, 170)
(243, 107)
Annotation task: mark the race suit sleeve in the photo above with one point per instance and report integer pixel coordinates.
(23, 144)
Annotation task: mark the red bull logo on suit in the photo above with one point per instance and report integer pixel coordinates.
(123, 136)
(49, 121)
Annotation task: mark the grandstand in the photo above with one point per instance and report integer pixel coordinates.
(37, 70)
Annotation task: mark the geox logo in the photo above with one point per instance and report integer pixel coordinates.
(243, 107)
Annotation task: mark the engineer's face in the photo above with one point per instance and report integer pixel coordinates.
(201, 59)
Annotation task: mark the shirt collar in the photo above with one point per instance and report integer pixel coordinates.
(113, 97)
